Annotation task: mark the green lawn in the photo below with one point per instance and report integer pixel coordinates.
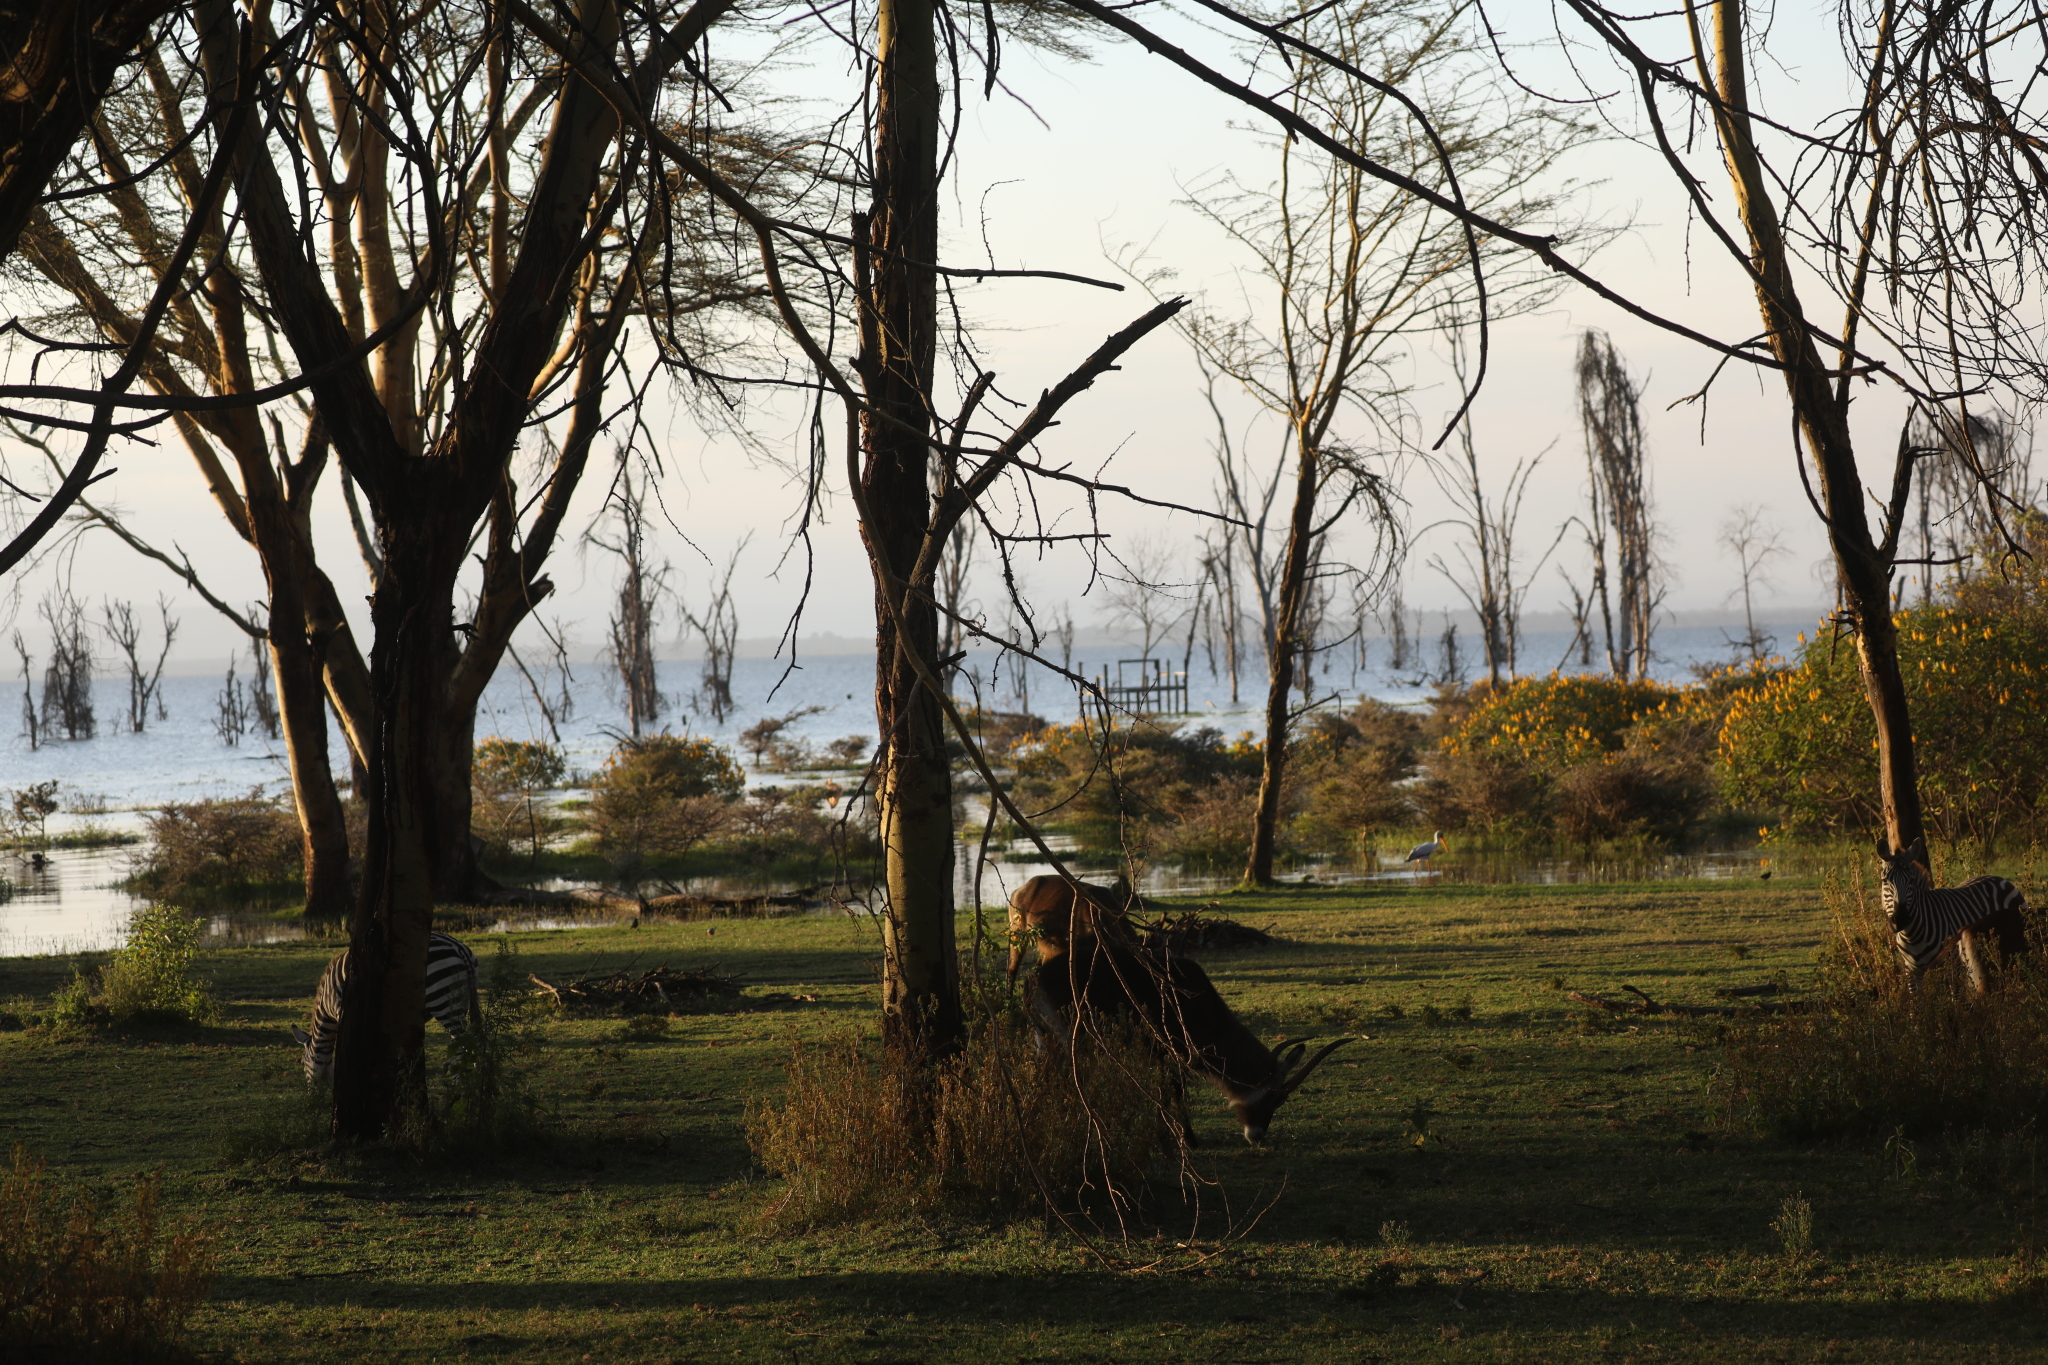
(1566, 1192)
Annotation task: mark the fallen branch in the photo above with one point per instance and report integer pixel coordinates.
(658, 988)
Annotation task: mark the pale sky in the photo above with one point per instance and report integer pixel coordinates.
(1119, 139)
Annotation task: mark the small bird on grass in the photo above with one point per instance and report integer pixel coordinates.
(1422, 853)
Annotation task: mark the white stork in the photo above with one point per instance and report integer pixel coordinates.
(1422, 853)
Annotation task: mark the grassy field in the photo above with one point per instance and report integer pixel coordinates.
(1491, 1175)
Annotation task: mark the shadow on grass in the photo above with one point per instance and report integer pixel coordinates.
(1104, 1302)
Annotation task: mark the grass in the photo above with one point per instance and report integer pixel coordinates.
(1494, 1175)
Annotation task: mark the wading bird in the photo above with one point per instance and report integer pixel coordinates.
(1422, 853)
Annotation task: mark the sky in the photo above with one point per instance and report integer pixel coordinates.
(1074, 168)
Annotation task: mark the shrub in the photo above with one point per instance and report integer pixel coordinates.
(661, 796)
(246, 842)
(1004, 1128)
(1631, 795)
(73, 1276)
(1213, 826)
(1877, 1060)
(1101, 784)
(779, 824)
(517, 765)
(505, 777)
(1352, 771)
(1584, 758)
(151, 977)
(1804, 746)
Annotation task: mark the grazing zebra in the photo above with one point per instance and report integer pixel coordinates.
(1924, 919)
(451, 992)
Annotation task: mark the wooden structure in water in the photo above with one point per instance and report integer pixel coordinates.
(1145, 687)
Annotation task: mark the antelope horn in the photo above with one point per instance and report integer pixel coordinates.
(1295, 1078)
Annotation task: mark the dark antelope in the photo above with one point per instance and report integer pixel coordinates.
(1178, 1006)
(1926, 919)
(1053, 911)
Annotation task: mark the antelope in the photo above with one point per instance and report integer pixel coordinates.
(1180, 1008)
(1053, 911)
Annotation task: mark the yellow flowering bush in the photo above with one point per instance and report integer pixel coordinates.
(1976, 680)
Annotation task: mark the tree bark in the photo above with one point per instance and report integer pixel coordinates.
(899, 302)
(1291, 594)
(1822, 409)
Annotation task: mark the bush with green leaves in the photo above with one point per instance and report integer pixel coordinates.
(151, 978)
(1352, 773)
(661, 796)
(1585, 759)
(1126, 785)
(507, 776)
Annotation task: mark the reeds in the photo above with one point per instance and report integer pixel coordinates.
(1876, 1059)
(74, 1276)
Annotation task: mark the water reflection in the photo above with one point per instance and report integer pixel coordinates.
(1002, 875)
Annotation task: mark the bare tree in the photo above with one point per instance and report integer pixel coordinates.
(68, 677)
(31, 720)
(231, 709)
(718, 626)
(1755, 541)
(145, 680)
(263, 714)
(1219, 571)
(642, 583)
(1618, 473)
(1971, 469)
(1486, 572)
(1139, 591)
(557, 702)
(1354, 270)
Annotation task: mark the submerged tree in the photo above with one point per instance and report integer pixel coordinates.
(68, 676)
(1617, 468)
(630, 633)
(145, 680)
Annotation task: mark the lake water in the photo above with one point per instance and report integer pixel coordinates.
(71, 904)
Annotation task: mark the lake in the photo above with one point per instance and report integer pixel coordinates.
(71, 904)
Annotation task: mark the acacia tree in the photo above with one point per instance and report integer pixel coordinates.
(1352, 272)
(412, 243)
(1917, 209)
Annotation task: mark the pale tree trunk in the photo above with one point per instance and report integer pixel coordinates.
(1290, 596)
(1821, 405)
(898, 300)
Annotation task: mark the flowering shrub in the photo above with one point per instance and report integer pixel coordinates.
(1976, 680)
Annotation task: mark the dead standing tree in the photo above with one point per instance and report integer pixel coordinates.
(641, 584)
(145, 680)
(1618, 473)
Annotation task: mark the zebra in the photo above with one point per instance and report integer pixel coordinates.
(451, 994)
(1924, 919)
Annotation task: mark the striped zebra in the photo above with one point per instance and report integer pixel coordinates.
(1925, 919)
(451, 993)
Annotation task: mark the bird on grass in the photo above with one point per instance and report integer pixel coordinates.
(1422, 853)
